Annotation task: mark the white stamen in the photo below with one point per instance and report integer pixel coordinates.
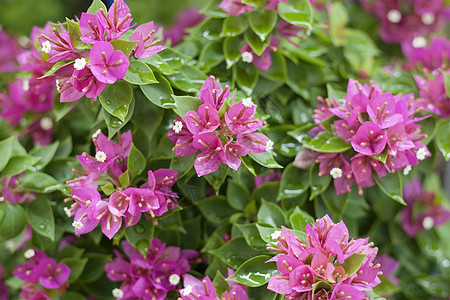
(275, 235)
(46, 123)
(407, 169)
(46, 47)
(269, 145)
(187, 290)
(25, 85)
(79, 64)
(174, 279)
(247, 102)
(178, 125)
(428, 18)
(100, 156)
(394, 16)
(58, 88)
(419, 42)
(421, 154)
(247, 57)
(428, 223)
(68, 212)
(77, 224)
(336, 173)
(29, 253)
(96, 134)
(118, 293)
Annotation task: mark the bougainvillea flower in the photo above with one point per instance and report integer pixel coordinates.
(211, 92)
(141, 200)
(182, 137)
(58, 45)
(185, 19)
(146, 46)
(206, 120)
(212, 154)
(255, 142)
(233, 152)
(239, 117)
(117, 21)
(263, 61)
(369, 139)
(433, 96)
(85, 83)
(51, 274)
(91, 29)
(108, 64)
(234, 7)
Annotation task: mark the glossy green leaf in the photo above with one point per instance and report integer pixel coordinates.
(392, 186)
(231, 50)
(95, 266)
(182, 164)
(190, 79)
(220, 284)
(359, 50)
(74, 33)
(116, 99)
(442, 137)
(294, 182)
(159, 93)
(338, 19)
(125, 46)
(296, 12)
(124, 178)
(215, 209)
(217, 178)
(108, 189)
(158, 64)
(58, 65)
(68, 295)
(42, 183)
(265, 159)
(5, 151)
(139, 73)
(262, 22)
(246, 76)
(76, 266)
(233, 26)
(14, 220)
(211, 55)
(115, 124)
(237, 195)
(185, 104)
(255, 271)
(40, 216)
(255, 3)
(19, 164)
(327, 143)
(136, 162)
(267, 191)
(272, 214)
(235, 252)
(254, 41)
(373, 296)
(140, 235)
(45, 154)
(317, 184)
(278, 69)
(95, 6)
(299, 219)
(252, 236)
(352, 264)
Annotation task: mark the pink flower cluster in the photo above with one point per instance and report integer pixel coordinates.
(93, 62)
(11, 192)
(381, 129)
(150, 277)
(185, 19)
(326, 263)
(43, 270)
(263, 61)
(203, 289)
(9, 49)
(405, 20)
(154, 197)
(422, 212)
(220, 138)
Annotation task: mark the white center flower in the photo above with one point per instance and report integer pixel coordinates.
(247, 57)
(67, 211)
(96, 134)
(46, 123)
(407, 169)
(419, 42)
(100, 156)
(29, 253)
(25, 85)
(247, 102)
(421, 154)
(174, 279)
(118, 293)
(269, 145)
(187, 290)
(394, 16)
(77, 224)
(428, 223)
(428, 18)
(275, 235)
(178, 125)
(79, 63)
(336, 173)
(46, 47)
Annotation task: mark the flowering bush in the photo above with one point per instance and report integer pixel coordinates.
(201, 165)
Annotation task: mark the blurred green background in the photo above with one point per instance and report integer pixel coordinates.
(19, 16)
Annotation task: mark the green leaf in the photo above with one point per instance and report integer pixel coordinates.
(237, 195)
(217, 178)
(42, 183)
(255, 3)
(247, 162)
(116, 99)
(108, 189)
(235, 252)
(252, 236)
(182, 164)
(296, 12)
(6, 151)
(95, 6)
(211, 55)
(58, 65)
(158, 64)
(19, 164)
(272, 214)
(327, 143)
(392, 186)
(70, 251)
(220, 284)
(139, 73)
(185, 104)
(189, 79)
(115, 124)
(125, 46)
(76, 266)
(338, 17)
(299, 219)
(95, 266)
(124, 179)
(72, 296)
(246, 76)
(352, 264)
(231, 50)
(265, 159)
(266, 232)
(373, 296)
(215, 209)
(74, 33)
(317, 183)
(136, 162)
(234, 26)
(254, 41)
(359, 50)
(45, 154)
(262, 22)
(40, 216)
(140, 235)
(14, 220)
(294, 182)
(255, 271)
(159, 93)
(442, 137)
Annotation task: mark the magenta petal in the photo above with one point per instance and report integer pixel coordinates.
(111, 224)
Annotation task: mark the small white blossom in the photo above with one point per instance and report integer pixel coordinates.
(407, 169)
(394, 16)
(187, 290)
(79, 64)
(67, 211)
(419, 42)
(428, 18)
(428, 223)
(118, 293)
(46, 123)
(421, 154)
(174, 279)
(25, 85)
(96, 134)
(2, 199)
(11, 245)
(29, 253)
(247, 102)
(269, 145)
(275, 235)
(77, 224)
(336, 173)
(178, 125)
(100, 156)
(247, 57)
(46, 47)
